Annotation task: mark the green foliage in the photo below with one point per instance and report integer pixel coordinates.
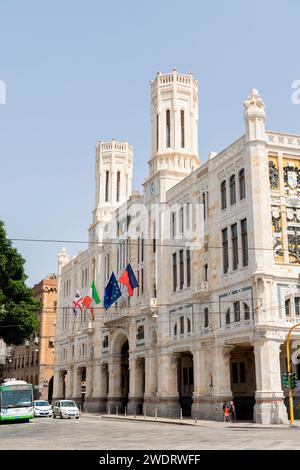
(17, 307)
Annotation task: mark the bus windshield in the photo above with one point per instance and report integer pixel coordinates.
(16, 398)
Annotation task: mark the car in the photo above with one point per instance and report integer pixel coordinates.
(65, 409)
(42, 408)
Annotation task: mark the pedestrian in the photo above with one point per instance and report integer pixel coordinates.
(232, 412)
(226, 412)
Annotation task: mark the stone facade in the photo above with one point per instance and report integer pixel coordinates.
(215, 249)
(34, 360)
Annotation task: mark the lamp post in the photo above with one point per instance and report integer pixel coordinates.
(288, 355)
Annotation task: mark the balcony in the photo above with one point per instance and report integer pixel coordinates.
(88, 327)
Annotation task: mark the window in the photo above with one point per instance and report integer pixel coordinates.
(189, 325)
(175, 329)
(206, 272)
(181, 325)
(106, 185)
(234, 241)
(188, 268)
(181, 270)
(204, 206)
(246, 311)
(157, 131)
(244, 242)
(242, 373)
(225, 250)
(288, 307)
(138, 249)
(181, 226)
(174, 271)
(188, 216)
(118, 185)
(242, 184)
(142, 280)
(168, 129)
(227, 316)
(297, 306)
(223, 195)
(232, 190)
(142, 249)
(235, 374)
(237, 313)
(154, 238)
(206, 320)
(182, 127)
(173, 224)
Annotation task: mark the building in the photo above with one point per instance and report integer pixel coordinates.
(216, 251)
(34, 360)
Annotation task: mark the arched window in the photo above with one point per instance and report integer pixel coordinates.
(189, 325)
(206, 319)
(173, 224)
(232, 190)
(168, 129)
(223, 195)
(288, 307)
(106, 185)
(246, 311)
(157, 131)
(187, 215)
(182, 127)
(181, 325)
(118, 185)
(175, 329)
(242, 184)
(227, 316)
(181, 226)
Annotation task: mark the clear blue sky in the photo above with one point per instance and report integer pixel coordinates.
(78, 71)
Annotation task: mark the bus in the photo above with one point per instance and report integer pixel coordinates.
(16, 400)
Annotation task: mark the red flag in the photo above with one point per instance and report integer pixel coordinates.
(124, 279)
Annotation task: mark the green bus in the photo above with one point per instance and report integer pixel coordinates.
(16, 400)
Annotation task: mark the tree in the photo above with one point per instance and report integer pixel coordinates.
(18, 309)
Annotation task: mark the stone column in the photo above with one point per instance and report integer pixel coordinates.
(167, 395)
(201, 384)
(58, 385)
(269, 407)
(219, 383)
(136, 385)
(115, 392)
(77, 385)
(151, 373)
(89, 381)
(69, 383)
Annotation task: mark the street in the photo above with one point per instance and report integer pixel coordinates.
(96, 432)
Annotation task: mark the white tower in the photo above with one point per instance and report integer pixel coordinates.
(174, 118)
(255, 116)
(113, 176)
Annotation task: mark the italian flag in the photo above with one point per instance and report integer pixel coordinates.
(92, 299)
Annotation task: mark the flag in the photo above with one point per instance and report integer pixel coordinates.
(77, 302)
(91, 299)
(128, 279)
(112, 292)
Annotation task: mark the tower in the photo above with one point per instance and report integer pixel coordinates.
(255, 116)
(113, 178)
(174, 120)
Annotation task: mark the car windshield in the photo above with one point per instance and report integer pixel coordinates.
(16, 398)
(41, 403)
(68, 403)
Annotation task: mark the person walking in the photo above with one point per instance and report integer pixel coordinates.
(226, 412)
(232, 412)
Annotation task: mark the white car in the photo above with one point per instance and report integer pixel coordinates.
(42, 408)
(65, 409)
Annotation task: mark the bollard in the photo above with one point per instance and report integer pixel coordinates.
(134, 412)
(125, 411)
(86, 410)
(108, 409)
(155, 413)
(180, 413)
(195, 417)
(117, 410)
(145, 413)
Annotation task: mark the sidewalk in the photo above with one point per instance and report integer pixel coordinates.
(191, 422)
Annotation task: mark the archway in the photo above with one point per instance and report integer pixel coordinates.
(50, 390)
(243, 381)
(124, 375)
(185, 380)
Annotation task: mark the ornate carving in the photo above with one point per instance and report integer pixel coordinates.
(273, 176)
(291, 175)
(293, 230)
(277, 232)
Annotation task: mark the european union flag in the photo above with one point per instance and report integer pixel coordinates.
(132, 278)
(112, 292)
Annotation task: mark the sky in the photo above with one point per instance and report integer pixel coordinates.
(79, 71)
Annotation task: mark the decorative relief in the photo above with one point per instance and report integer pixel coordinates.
(274, 175)
(293, 230)
(291, 175)
(277, 233)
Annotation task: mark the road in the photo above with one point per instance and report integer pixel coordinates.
(94, 432)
